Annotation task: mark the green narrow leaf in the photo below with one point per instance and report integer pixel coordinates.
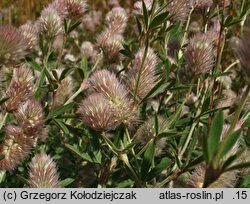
(229, 143)
(195, 162)
(239, 166)
(55, 75)
(158, 20)
(147, 160)
(156, 124)
(74, 26)
(59, 111)
(62, 126)
(232, 158)
(84, 156)
(33, 64)
(65, 73)
(139, 27)
(66, 182)
(215, 134)
(246, 123)
(165, 162)
(157, 89)
(145, 14)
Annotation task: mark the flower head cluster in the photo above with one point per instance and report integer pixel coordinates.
(20, 88)
(50, 22)
(142, 77)
(111, 39)
(30, 34)
(14, 148)
(43, 172)
(199, 55)
(13, 46)
(113, 102)
(179, 9)
(244, 52)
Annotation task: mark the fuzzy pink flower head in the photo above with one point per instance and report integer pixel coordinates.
(96, 113)
(76, 8)
(116, 20)
(50, 22)
(87, 49)
(148, 77)
(30, 117)
(20, 88)
(138, 6)
(43, 172)
(179, 9)
(30, 34)
(61, 7)
(111, 44)
(199, 55)
(107, 84)
(13, 46)
(15, 147)
(243, 52)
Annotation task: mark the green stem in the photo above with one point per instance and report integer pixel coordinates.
(74, 96)
(187, 140)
